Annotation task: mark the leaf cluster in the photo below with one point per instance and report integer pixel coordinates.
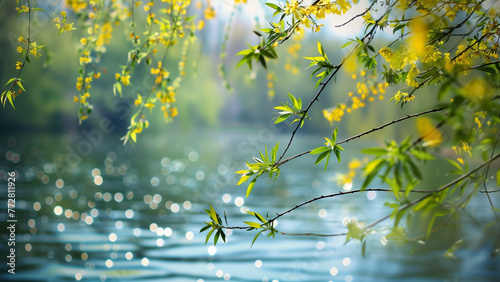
(265, 164)
(325, 151)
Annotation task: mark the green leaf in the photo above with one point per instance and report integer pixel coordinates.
(256, 236)
(334, 135)
(274, 6)
(363, 249)
(213, 215)
(208, 235)
(322, 156)
(498, 178)
(252, 224)
(205, 228)
(117, 87)
(337, 153)
(282, 118)
(422, 155)
(320, 150)
(450, 253)
(374, 151)
(216, 237)
(250, 186)
(9, 96)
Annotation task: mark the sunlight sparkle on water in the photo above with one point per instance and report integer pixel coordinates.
(119, 224)
(159, 231)
(129, 213)
(347, 186)
(212, 250)
(129, 255)
(239, 201)
(58, 210)
(112, 237)
(98, 180)
(334, 271)
(137, 232)
(258, 263)
(226, 198)
(175, 208)
(109, 263)
(371, 195)
(145, 261)
(346, 261)
(118, 197)
(168, 232)
(322, 213)
(219, 273)
(160, 242)
(189, 235)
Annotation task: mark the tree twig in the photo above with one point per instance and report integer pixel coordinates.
(279, 163)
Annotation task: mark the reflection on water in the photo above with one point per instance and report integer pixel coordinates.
(106, 212)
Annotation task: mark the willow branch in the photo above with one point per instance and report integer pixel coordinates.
(369, 35)
(279, 163)
(436, 190)
(484, 183)
(358, 15)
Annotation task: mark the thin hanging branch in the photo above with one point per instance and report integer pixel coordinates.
(279, 163)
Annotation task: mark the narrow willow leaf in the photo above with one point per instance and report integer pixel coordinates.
(250, 186)
(274, 6)
(337, 153)
(205, 228)
(374, 151)
(319, 150)
(334, 135)
(282, 118)
(252, 224)
(208, 235)
(256, 236)
(216, 237)
(9, 96)
(322, 156)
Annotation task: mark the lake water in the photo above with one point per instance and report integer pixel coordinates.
(90, 209)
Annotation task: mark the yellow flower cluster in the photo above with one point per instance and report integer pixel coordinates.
(366, 90)
(62, 25)
(403, 97)
(460, 151)
(85, 59)
(334, 114)
(76, 5)
(160, 73)
(305, 15)
(479, 118)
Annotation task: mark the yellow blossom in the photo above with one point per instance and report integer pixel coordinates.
(19, 65)
(125, 79)
(138, 101)
(173, 112)
(209, 13)
(20, 49)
